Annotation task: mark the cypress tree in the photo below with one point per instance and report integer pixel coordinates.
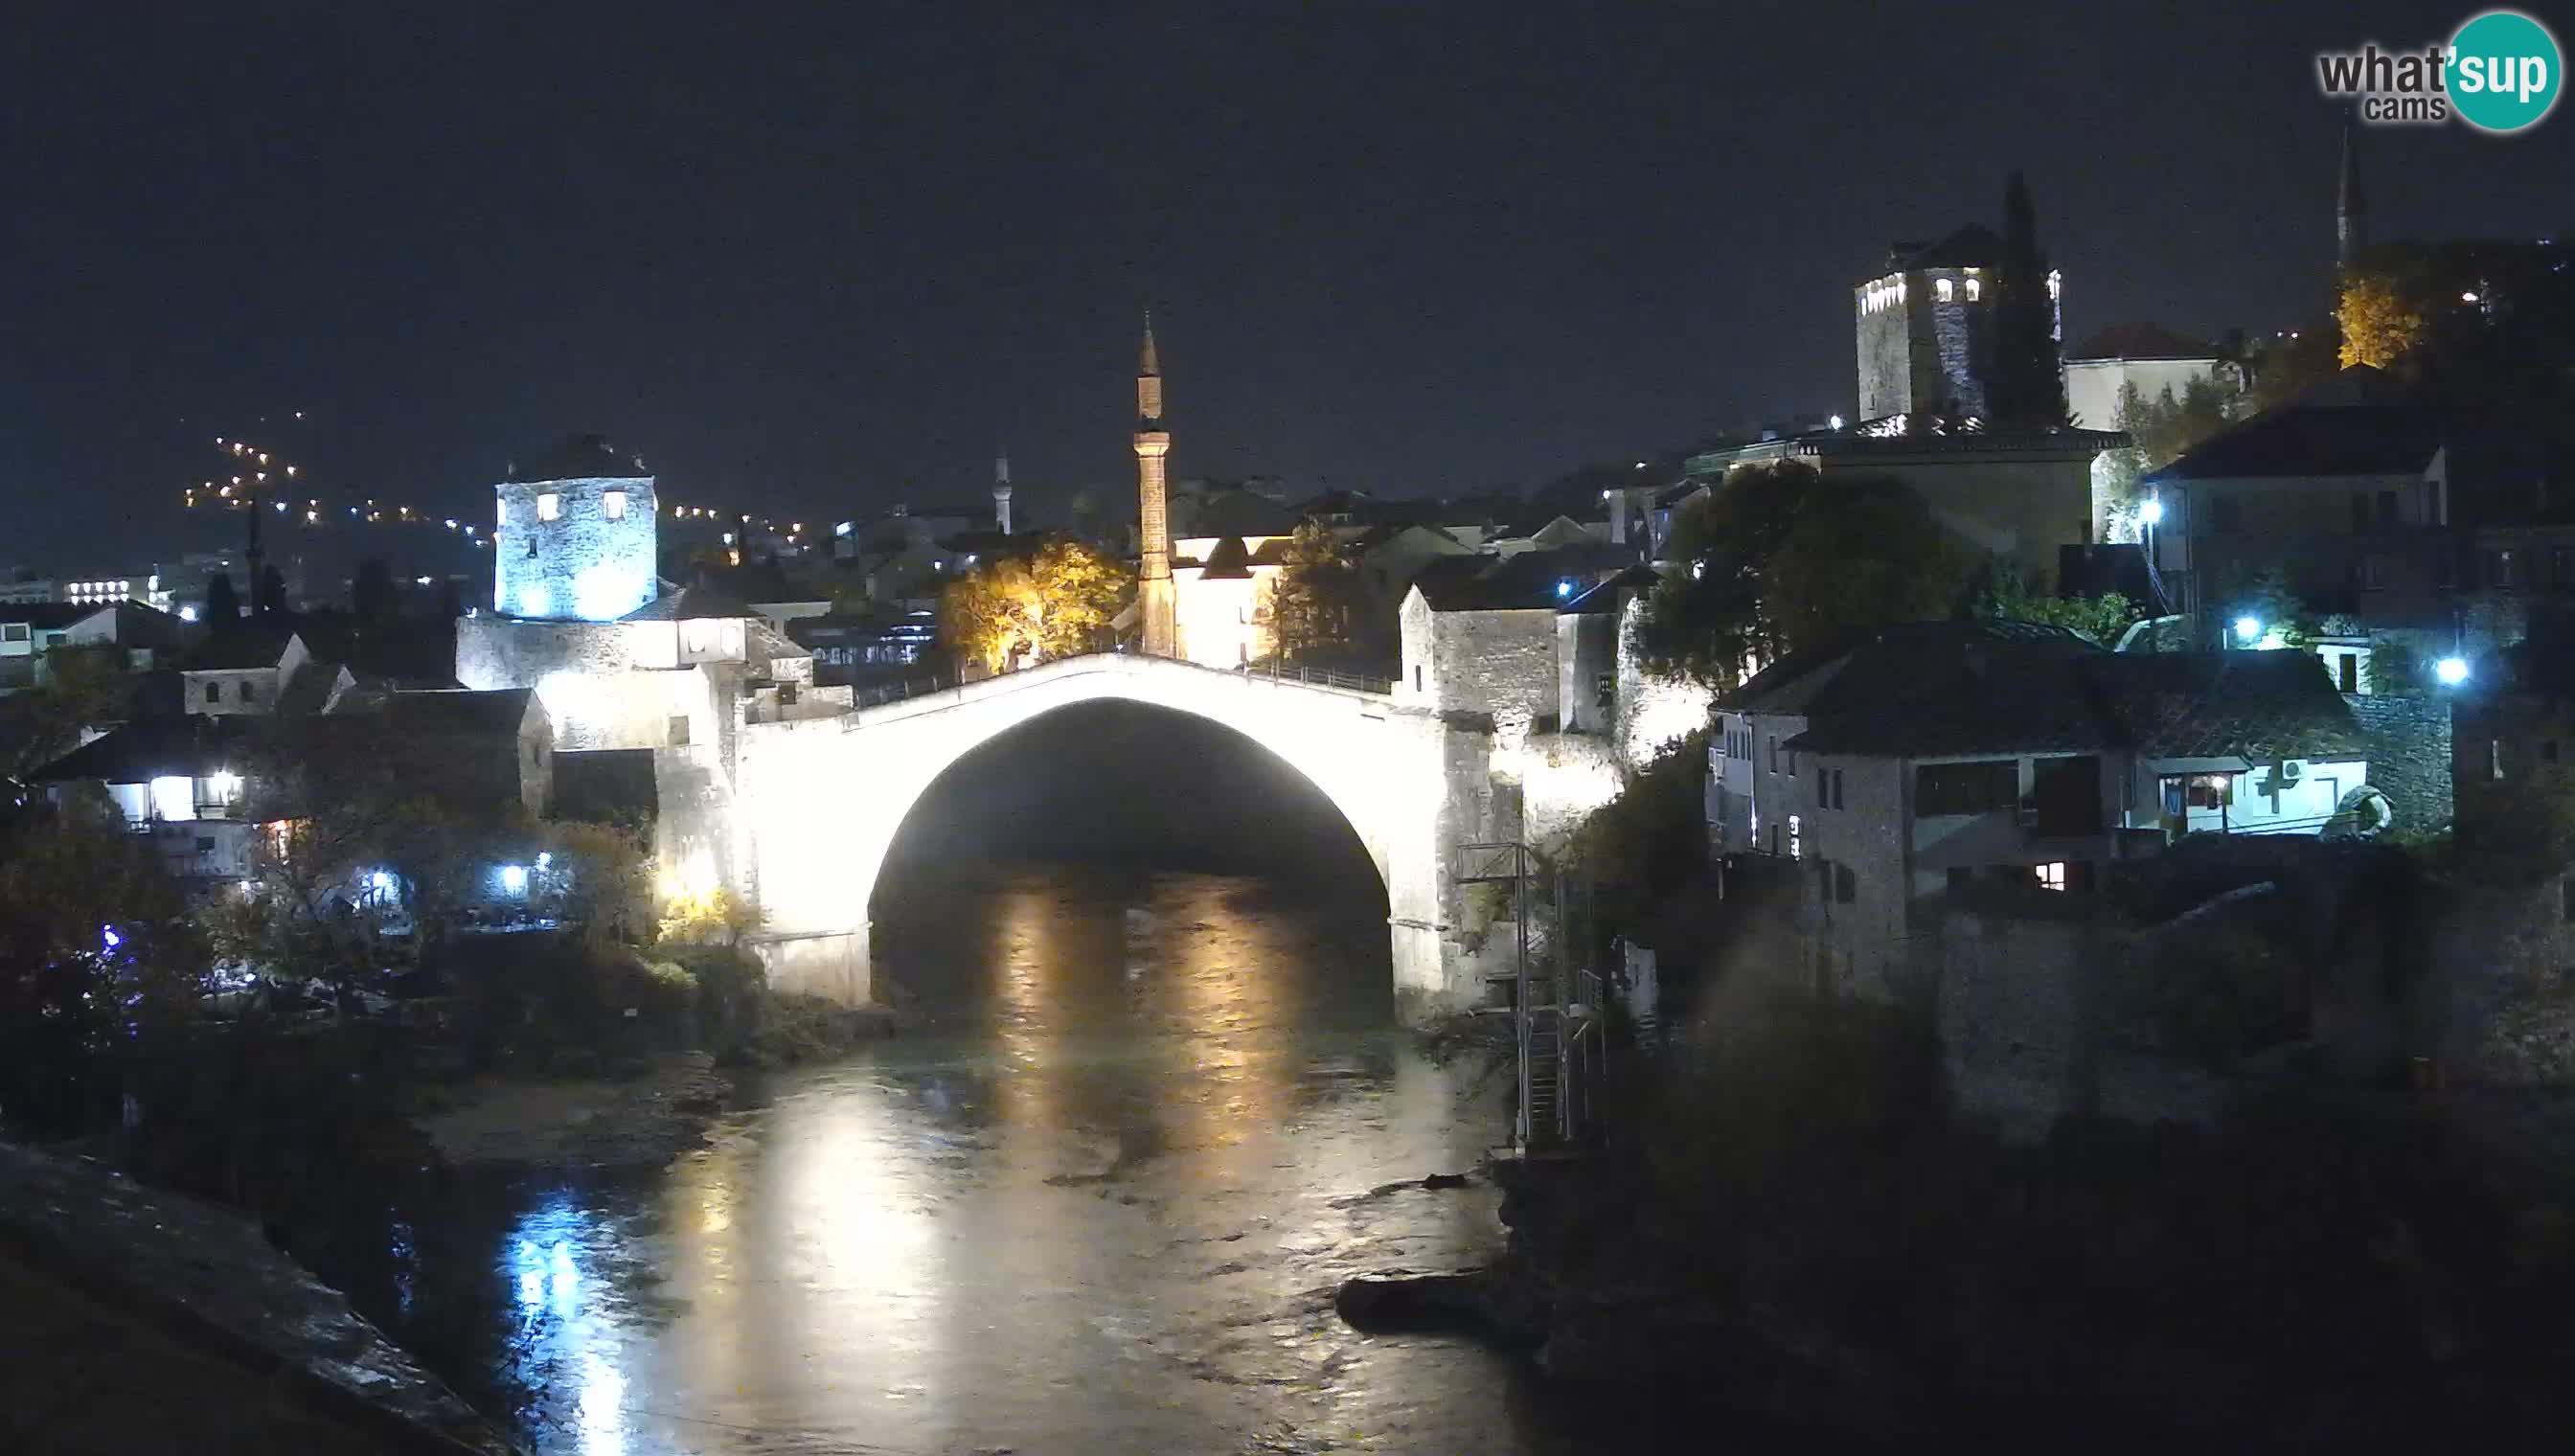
(2028, 391)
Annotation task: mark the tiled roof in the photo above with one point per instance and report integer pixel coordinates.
(154, 747)
(2302, 440)
(690, 604)
(239, 649)
(2256, 706)
(579, 457)
(492, 710)
(47, 616)
(1239, 513)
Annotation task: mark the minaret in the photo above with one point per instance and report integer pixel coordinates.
(1002, 491)
(2351, 209)
(1154, 598)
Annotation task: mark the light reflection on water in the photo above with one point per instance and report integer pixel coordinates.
(1098, 1203)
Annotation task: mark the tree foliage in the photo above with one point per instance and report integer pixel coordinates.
(1310, 603)
(2001, 592)
(1017, 611)
(84, 686)
(1778, 558)
(223, 602)
(2028, 389)
(2379, 323)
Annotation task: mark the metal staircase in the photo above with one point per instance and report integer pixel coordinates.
(1556, 1012)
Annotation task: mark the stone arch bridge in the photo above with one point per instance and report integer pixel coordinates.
(817, 800)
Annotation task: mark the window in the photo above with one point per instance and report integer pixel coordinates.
(612, 504)
(1838, 788)
(1416, 676)
(1975, 289)
(1945, 289)
(549, 507)
(1845, 884)
(1797, 839)
(2208, 791)
(2388, 508)
(214, 692)
(2347, 670)
(2225, 513)
(250, 693)
(503, 518)
(2566, 898)
(679, 729)
(1824, 790)
(13, 632)
(2360, 511)
(1774, 752)
(2494, 759)
(1604, 689)
(2050, 876)
(2561, 566)
(1966, 789)
(2503, 569)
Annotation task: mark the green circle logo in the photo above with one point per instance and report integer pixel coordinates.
(2504, 71)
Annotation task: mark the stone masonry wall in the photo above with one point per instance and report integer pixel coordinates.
(581, 565)
(1497, 663)
(2409, 754)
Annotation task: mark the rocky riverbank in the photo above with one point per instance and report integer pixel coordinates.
(586, 1122)
(144, 1321)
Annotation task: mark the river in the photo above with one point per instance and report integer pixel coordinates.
(1096, 1200)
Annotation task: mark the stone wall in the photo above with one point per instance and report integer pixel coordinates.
(2503, 996)
(581, 565)
(1496, 663)
(2409, 754)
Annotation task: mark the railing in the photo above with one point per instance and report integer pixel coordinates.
(1319, 677)
(905, 689)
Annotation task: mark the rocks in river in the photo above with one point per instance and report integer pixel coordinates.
(1473, 1301)
(1444, 1180)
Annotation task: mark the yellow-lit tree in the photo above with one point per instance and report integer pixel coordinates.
(1051, 605)
(2378, 322)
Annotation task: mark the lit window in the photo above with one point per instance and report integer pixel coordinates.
(2055, 284)
(549, 507)
(1795, 844)
(1975, 289)
(1945, 289)
(612, 504)
(505, 513)
(2051, 876)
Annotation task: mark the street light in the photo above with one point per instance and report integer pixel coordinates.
(2151, 512)
(2249, 628)
(2451, 670)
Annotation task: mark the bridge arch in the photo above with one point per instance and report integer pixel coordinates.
(818, 802)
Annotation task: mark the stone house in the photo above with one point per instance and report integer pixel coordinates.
(258, 669)
(2149, 356)
(1914, 762)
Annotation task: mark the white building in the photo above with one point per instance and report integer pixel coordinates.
(2154, 359)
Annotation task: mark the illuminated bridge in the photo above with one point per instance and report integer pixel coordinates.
(817, 800)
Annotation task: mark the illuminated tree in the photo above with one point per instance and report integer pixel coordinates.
(2379, 323)
(1051, 605)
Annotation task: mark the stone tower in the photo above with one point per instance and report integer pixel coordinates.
(1155, 602)
(577, 536)
(2351, 209)
(1002, 491)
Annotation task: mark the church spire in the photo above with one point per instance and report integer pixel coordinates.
(2351, 209)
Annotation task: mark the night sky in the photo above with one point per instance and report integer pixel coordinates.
(819, 258)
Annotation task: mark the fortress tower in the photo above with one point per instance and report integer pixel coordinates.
(577, 536)
(1155, 602)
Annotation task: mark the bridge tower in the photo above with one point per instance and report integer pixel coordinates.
(1155, 605)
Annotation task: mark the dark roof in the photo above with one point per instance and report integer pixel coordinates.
(1939, 687)
(1973, 246)
(606, 786)
(2142, 341)
(2258, 705)
(1609, 594)
(2311, 439)
(579, 457)
(48, 616)
(1239, 513)
(494, 711)
(1984, 686)
(239, 649)
(154, 747)
(1530, 580)
(1228, 561)
(690, 604)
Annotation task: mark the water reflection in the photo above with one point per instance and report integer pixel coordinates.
(1097, 1204)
